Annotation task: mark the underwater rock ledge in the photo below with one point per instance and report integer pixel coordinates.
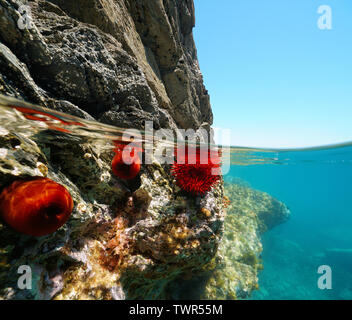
(233, 272)
(238, 261)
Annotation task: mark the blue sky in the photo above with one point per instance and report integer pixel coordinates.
(274, 78)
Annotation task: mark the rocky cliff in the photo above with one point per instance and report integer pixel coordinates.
(120, 62)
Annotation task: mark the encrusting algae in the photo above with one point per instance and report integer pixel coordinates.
(107, 248)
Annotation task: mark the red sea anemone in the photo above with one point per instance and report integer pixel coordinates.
(126, 163)
(196, 170)
(36, 207)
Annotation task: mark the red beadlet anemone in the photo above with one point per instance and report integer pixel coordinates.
(196, 170)
(126, 163)
(35, 207)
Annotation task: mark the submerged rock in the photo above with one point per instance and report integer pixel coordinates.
(238, 260)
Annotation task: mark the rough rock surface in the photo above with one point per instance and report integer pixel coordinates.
(122, 62)
(238, 259)
(233, 271)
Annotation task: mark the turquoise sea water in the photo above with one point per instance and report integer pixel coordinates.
(317, 187)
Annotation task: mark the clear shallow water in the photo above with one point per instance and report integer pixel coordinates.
(316, 184)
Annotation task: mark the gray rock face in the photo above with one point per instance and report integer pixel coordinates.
(121, 62)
